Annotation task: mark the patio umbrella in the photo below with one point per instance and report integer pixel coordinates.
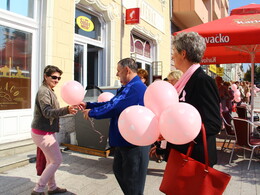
(233, 39)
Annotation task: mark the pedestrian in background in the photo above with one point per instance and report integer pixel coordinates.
(174, 76)
(158, 148)
(198, 89)
(44, 126)
(143, 74)
(130, 161)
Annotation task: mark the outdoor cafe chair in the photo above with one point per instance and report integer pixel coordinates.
(229, 129)
(242, 112)
(244, 139)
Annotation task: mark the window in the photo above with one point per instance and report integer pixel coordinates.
(89, 56)
(87, 25)
(22, 7)
(15, 68)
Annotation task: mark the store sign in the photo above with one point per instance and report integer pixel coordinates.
(85, 23)
(220, 71)
(132, 16)
(213, 68)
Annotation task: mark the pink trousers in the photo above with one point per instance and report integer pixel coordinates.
(51, 150)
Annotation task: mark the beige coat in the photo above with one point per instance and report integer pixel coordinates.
(47, 110)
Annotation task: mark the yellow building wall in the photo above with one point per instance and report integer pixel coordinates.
(60, 39)
(60, 35)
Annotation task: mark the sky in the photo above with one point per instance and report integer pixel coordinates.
(238, 3)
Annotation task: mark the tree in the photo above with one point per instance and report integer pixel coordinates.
(247, 76)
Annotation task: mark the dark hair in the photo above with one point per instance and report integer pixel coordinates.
(130, 63)
(49, 70)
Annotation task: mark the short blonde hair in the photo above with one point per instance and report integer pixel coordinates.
(175, 74)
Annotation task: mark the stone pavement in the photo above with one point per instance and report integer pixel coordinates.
(84, 174)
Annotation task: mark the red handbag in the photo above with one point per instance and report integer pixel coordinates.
(186, 176)
(40, 161)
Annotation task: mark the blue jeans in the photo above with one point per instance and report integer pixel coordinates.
(130, 168)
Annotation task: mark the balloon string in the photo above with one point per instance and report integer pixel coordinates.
(93, 127)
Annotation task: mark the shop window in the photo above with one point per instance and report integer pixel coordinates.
(140, 46)
(22, 7)
(147, 50)
(15, 68)
(87, 25)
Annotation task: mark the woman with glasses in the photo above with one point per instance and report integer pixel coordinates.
(44, 126)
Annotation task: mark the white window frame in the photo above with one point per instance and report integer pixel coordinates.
(82, 40)
(21, 118)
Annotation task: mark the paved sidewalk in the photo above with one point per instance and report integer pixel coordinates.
(84, 174)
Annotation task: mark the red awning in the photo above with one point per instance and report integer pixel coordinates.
(233, 39)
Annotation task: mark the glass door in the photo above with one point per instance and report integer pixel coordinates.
(87, 59)
(147, 66)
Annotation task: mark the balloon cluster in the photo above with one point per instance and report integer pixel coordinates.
(237, 93)
(178, 123)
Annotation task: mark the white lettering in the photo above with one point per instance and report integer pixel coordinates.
(209, 60)
(248, 22)
(217, 39)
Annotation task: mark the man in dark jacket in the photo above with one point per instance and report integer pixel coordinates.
(130, 161)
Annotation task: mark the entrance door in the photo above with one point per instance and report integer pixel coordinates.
(87, 60)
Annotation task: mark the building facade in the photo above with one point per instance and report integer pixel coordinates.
(186, 13)
(85, 38)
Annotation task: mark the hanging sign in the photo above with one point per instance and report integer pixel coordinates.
(213, 68)
(220, 71)
(132, 16)
(85, 23)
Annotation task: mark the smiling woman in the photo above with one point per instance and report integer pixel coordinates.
(44, 126)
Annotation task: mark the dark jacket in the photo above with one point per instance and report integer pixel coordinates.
(202, 93)
(47, 110)
(129, 95)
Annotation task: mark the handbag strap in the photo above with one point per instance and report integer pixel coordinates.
(206, 155)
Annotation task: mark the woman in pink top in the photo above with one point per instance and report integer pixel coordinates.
(44, 125)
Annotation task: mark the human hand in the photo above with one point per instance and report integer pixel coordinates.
(85, 113)
(73, 109)
(82, 105)
(152, 152)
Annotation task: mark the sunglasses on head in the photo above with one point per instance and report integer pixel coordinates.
(55, 77)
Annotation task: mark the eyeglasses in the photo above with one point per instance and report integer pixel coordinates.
(55, 77)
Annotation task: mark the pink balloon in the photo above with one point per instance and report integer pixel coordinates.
(180, 123)
(160, 95)
(234, 87)
(237, 93)
(237, 99)
(138, 125)
(105, 96)
(72, 92)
